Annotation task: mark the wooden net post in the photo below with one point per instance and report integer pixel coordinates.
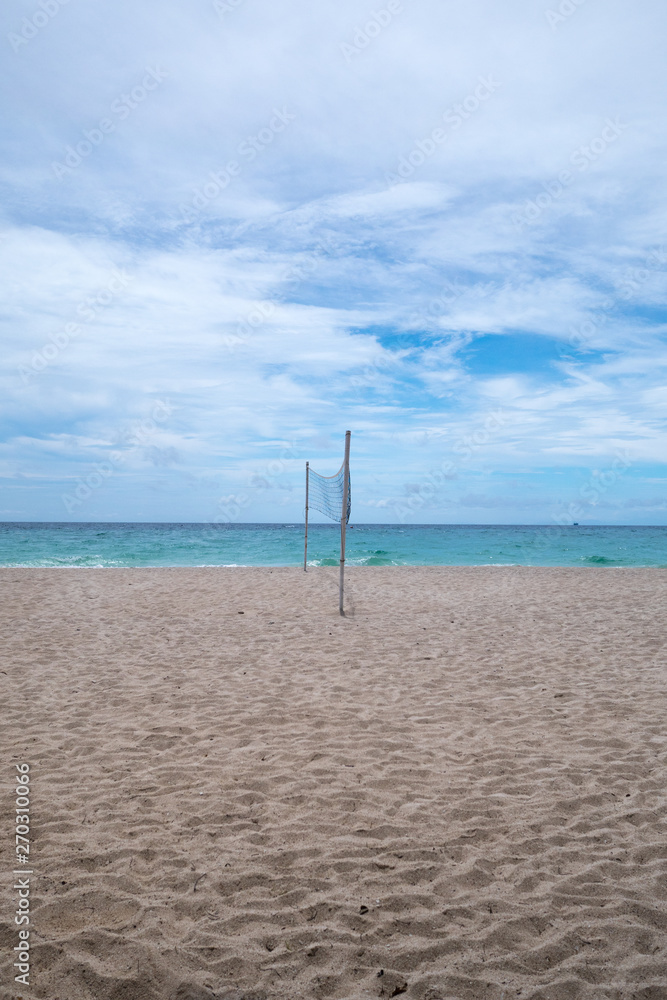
(305, 540)
(343, 521)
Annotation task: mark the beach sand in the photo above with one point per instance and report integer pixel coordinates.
(457, 791)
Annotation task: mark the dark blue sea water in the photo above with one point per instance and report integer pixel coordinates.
(80, 545)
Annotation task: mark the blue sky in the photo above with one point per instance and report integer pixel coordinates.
(232, 230)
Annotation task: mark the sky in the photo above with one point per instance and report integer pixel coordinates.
(232, 230)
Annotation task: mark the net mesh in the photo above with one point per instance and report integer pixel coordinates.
(325, 493)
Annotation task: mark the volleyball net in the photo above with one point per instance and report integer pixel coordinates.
(331, 496)
(325, 493)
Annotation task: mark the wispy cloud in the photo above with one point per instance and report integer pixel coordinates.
(197, 208)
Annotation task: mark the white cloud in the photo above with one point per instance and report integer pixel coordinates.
(305, 295)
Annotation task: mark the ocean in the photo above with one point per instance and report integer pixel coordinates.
(73, 545)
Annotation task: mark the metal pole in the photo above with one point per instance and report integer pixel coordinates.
(343, 521)
(305, 540)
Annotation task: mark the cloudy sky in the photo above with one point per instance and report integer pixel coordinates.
(233, 229)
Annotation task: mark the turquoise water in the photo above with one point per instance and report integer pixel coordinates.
(78, 545)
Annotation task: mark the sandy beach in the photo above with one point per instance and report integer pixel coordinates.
(456, 791)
